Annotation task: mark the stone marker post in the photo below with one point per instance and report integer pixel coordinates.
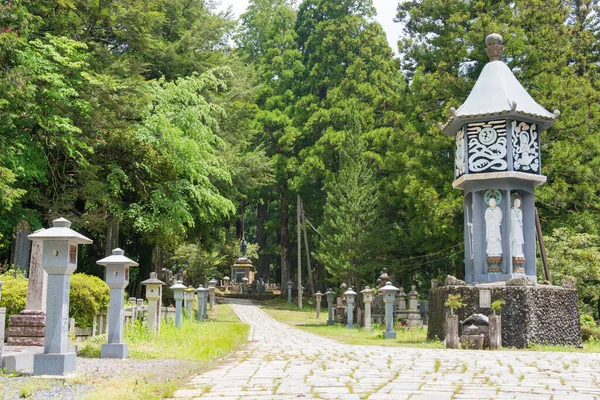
(452, 331)
(178, 289)
(189, 300)
(289, 290)
(226, 283)
(367, 299)
(200, 312)
(350, 295)
(212, 288)
(2, 322)
(154, 296)
(117, 279)
(318, 297)
(389, 296)
(495, 329)
(244, 286)
(59, 260)
(330, 298)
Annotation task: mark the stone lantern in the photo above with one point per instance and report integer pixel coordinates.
(226, 282)
(330, 299)
(289, 291)
(350, 295)
(59, 260)
(117, 279)
(367, 299)
(212, 287)
(497, 164)
(202, 294)
(178, 294)
(318, 298)
(389, 297)
(245, 285)
(188, 296)
(154, 296)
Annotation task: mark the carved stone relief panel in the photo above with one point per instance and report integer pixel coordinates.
(487, 146)
(525, 147)
(459, 155)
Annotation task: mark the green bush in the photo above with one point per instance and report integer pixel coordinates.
(587, 320)
(14, 293)
(89, 295)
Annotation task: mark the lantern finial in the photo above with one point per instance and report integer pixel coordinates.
(495, 48)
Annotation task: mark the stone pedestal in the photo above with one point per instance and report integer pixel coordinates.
(115, 348)
(451, 332)
(541, 314)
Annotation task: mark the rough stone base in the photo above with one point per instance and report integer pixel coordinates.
(531, 314)
(389, 335)
(27, 328)
(114, 350)
(54, 364)
(414, 320)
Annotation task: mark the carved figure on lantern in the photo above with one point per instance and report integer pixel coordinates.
(493, 221)
(516, 235)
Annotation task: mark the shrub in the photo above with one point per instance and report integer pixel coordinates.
(14, 293)
(89, 295)
(587, 320)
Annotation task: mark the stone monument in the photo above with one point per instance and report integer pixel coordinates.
(28, 327)
(498, 165)
(154, 297)
(59, 260)
(117, 279)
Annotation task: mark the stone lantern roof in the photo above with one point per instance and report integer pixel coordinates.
(117, 258)
(153, 280)
(498, 93)
(61, 230)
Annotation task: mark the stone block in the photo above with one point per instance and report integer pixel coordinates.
(35, 331)
(17, 362)
(114, 350)
(54, 363)
(28, 318)
(26, 341)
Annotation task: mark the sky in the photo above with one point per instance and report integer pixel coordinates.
(386, 11)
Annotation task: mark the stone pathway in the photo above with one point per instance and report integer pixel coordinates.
(281, 362)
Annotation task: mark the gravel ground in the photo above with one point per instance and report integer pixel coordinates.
(90, 373)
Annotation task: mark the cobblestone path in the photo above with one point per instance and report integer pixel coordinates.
(281, 362)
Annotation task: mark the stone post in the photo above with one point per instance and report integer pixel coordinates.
(318, 297)
(495, 330)
(59, 260)
(200, 311)
(414, 317)
(212, 288)
(389, 297)
(330, 298)
(189, 300)
(117, 279)
(367, 299)
(2, 322)
(452, 332)
(401, 305)
(28, 327)
(153, 295)
(350, 295)
(178, 289)
(289, 291)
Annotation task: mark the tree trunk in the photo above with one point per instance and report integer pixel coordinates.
(239, 226)
(112, 236)
(284, 237)
(157, 260)
(261, 239)
(311, 287)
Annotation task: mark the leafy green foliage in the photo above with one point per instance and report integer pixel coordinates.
(88, 295)
(454, 302)
(14, 293)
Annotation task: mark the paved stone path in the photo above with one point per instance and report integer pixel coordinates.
(281, 362)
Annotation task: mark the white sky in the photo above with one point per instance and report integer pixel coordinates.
(386, 11)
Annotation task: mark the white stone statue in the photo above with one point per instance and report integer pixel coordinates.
(493, 236)
(516, 229)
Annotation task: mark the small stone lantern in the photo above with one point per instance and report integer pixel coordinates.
(245, 285)
(289, 290)
(202, 294)
(330, 299)
(154, 296)
(59, 260)
(389, 296)
(212, 287)
(117, 279)
(367, 299)
(318, 298)
(350, 295)
(226, 282)
(188, 296)
(178, 289)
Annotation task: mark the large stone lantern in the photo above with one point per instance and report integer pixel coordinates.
(498, 165)
(117, 279)
(59, 260)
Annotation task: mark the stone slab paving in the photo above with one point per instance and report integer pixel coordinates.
(282, 362)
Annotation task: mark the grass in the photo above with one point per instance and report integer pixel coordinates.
(305, 319)
(198, 343)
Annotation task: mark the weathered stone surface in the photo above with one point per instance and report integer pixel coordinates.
(25, 341)
(530, 315)
(37, 331)
(520, 281)
(23, 319)
(453, 281)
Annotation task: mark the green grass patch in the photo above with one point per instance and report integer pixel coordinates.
(306, 319)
